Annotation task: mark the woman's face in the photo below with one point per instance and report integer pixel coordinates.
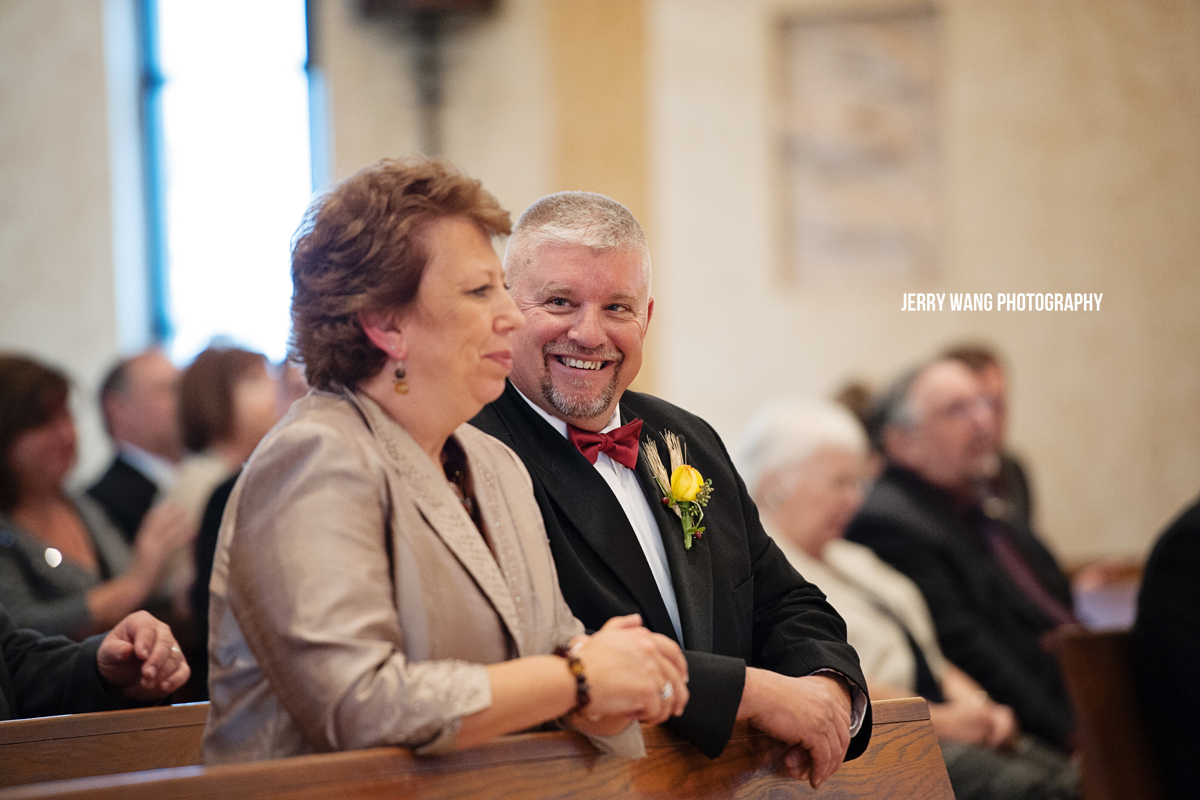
(255, 406)
(825, 492)
(42, 456)
(458, 333)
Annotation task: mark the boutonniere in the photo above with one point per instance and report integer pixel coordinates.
(685, 491)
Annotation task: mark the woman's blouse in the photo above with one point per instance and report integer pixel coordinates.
(46, 592)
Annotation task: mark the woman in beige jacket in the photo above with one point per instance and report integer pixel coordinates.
(382, 574)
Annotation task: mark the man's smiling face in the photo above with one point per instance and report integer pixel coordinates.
(586, 313)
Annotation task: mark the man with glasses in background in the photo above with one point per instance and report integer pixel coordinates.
(993, 588)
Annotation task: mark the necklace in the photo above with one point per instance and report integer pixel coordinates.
(458, 484)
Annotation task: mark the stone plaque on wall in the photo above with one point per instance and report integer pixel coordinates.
(861, 146)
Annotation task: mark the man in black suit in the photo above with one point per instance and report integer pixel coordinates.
(137, 662)
(139, 399)
(762, 644)
(993, 588)
(1166, 652)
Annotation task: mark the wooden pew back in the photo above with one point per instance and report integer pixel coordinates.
(1118, 762)
(903, 761)
(83, 745)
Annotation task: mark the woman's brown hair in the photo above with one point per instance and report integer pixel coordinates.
(206, 412)
(360, 248)
(31, 394)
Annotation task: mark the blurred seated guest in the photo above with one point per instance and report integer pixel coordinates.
(64, 568)
(855, 396)
(205, 550)
(993, 588)
(1010, 483)
(228, 402)
(804, 462)
(1166, 653)
(382, 575)
(290, 387)
(136, 663)
(140, 403)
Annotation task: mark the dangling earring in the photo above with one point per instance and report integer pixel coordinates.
(401, 385)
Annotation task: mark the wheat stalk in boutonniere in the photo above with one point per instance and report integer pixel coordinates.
(685, 491)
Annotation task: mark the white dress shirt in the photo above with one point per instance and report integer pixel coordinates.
(624, 484)
(160, 471)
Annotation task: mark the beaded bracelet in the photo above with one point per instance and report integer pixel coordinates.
(583, 693)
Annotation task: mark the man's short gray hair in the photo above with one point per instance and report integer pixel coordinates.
(788, 432)
(587, 219)
(893, 407)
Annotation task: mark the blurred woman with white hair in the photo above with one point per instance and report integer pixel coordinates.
(804, 462)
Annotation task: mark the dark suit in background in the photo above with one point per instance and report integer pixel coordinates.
(126, 494)
(740, 601)
(41, 676)
(1166, 653)
(985, 624)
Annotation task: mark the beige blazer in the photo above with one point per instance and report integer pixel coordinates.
(354, 603)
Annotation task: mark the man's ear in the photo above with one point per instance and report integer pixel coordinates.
(897, 444)
(383, 329)
(649, 314)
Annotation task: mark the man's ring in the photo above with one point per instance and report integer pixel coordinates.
(175, 649)
(666, 691)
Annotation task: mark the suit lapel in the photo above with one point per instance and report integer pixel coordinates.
(691, 570)
(583, 499)
(436, 501)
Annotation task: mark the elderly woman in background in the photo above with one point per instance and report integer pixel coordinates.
(804, 462)
(64, 567)
(382, 574)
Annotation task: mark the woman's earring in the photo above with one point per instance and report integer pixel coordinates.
(401, 385)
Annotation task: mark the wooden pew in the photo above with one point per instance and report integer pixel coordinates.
(83, 745)
(903, 761)
(1118, 762)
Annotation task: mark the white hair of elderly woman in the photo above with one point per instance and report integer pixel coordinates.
(787, 432)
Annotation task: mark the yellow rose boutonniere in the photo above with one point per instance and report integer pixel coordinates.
(685, 490)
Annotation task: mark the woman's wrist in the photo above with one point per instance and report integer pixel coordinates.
(575, 665)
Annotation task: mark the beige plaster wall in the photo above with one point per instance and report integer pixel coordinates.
(496, 122)
(1070, 165)
(56, 247)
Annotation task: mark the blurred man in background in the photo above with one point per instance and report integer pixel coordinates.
(994, 590)
(1010, 484)
(139, 399)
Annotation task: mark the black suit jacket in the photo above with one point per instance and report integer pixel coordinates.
(46, 675)
(740, 601)
(985, 624)
(1166, 652)
(126, 495)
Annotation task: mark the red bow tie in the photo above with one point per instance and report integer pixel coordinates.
(619, 444)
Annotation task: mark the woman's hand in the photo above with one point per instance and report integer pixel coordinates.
(975, 721)
(1004, 727)
(633, 674)
(961, 721)
(165, 528)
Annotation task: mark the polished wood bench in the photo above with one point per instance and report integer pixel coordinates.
(83, 745)
(902, 761)
(1117, 760)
